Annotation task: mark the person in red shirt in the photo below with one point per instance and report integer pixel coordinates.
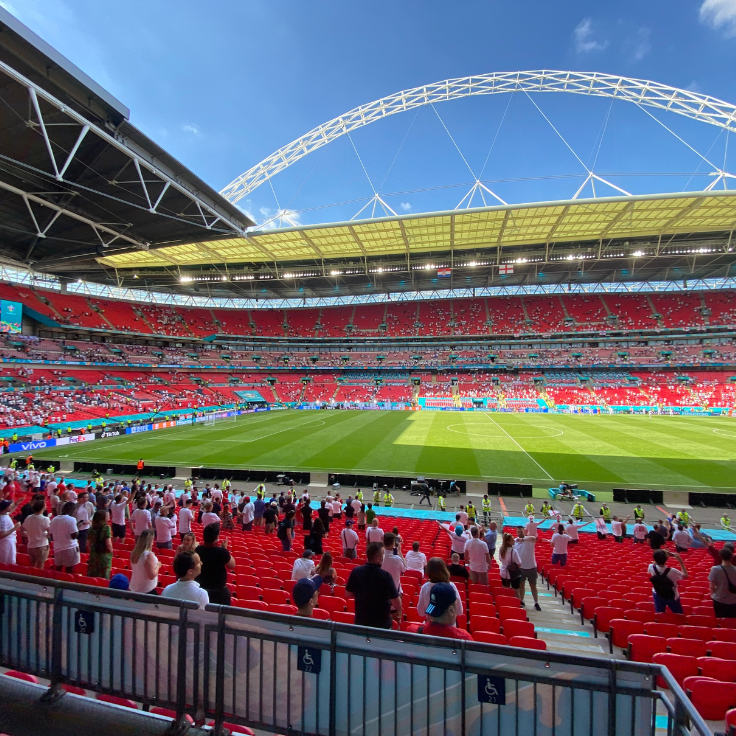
(442, 613)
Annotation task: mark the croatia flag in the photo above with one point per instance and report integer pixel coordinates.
(506, 268)
(444, 272)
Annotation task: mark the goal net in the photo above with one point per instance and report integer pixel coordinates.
(218, 418)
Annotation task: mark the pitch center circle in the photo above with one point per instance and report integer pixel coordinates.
(501, 434)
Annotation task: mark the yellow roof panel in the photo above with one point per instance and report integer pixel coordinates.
(507, 225)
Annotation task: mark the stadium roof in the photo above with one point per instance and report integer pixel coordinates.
(500, 228)
(76, 178)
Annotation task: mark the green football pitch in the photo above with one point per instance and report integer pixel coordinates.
(677, 453)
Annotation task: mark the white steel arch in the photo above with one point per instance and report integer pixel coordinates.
(639, 91)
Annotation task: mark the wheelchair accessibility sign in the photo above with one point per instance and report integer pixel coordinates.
(84, 622)
(309, 659)
(491, 690)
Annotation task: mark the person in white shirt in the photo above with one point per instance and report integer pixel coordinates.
(209, 517)
(681, 539)
(304, 566)
(559, 543)
(83, 513)
(640, 533)
(374, 533)
(165, 529)
(572, 530)
(169, 497)
(393, 560)
(478, 557)
(336, 509)
(458, 537)
(217, 495)
(416, 560)
(349, 539)
(140, 519)
(665, 592)
(186, 516)
(617, 527)
(530, 530)
(187, 567)
(356, 504)
(601, 528)
(509, 556)
(248, 514)
(117, 517)
(463, 514)
(36, 531)
(64, 532)
(525, 546)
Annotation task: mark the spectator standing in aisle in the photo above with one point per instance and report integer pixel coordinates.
(216, 561)
(376, 599)
(525, 546)
(559, 543)
(664, 581)
(144, 564)
(479, 559)
(722, 579)
(303, 566)
(247, 515)
(187, 566)
(349, 539)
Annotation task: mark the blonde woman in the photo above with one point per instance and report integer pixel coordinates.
(188, 543)
(144, 564)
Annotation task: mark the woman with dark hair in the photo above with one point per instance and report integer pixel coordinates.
(314, 540)
(99, 538)
(216, 561)
(509, 562)
(437, 572)
(326, 571)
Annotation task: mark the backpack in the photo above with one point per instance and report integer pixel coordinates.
(282, 530)
(663, 586)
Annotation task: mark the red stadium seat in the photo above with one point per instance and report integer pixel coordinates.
(665, 630)
(114, 700)
(332, 603)
(251, 605)
(72, 689)
(718, 669)
(711, 698)
(169, 713)
(275, 596)
(621, 630)
(687, 647)
(284, 608)
(488, 637)
(343, 617)
(248, 592)
(22, 676)
(724, 635)
(512, 627)
(485, 623)
(483, 609)
(508, 613)
(603, 616)
(321, 614)
(695, 632)
(722, 649)
(642, 647)
(527, 642)
(679, 666)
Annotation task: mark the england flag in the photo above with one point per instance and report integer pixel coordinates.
(506, 268)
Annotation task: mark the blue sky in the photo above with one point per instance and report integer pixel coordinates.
(223, 84)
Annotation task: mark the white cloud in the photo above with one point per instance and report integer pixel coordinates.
(640, 45)
(584, 40)
(406, 206)
(272, 219)
(719, 14)
(190, 128)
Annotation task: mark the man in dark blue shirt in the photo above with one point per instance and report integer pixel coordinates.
(376, 597)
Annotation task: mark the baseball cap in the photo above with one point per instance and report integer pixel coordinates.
(441, 597)
(119, 582)
(348, 522)
(5, 504)
(305, 589)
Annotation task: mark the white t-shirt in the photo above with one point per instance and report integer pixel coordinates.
(336, 507)
(616, 528)
(415, 560)
(640, 531)
(682, 539)
(117, 513)
(572, 531)
(217, 495)
(373, 534)
(559, 543)
(463, 518)
(511, 555)
(185, 520)
(61, 528)
(187, 590)
(303, 568)
(165, 528)
(530, 530)
(83, 514)
(395, 566)
(475, 554)
(356, 504)
(525, 548)
(249, 511)
(141, 520)
(674, 575)
(36, 527)
(349, 539)
(208, 517)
